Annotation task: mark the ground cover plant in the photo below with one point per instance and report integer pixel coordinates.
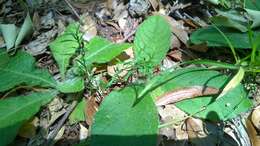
(124, 106)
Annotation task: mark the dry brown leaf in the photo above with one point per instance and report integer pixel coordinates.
(254, 138)
(91, 109)
(255, 117)
(28, 129)
(154, 4)
(170, 113)
(195, 128)
(178, 29)
(197, 135)
(185, 93)
(199, 48)
(89, 29)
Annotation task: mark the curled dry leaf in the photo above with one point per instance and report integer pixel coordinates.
(195, 130)
(185, 93)
(172, 114)
(252, 133)
(255, 117)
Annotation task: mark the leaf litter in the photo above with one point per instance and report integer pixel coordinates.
(118, 21)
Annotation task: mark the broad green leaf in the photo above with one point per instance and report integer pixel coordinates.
(71, 85)
(9, 32)
(100, 50)
(20, 70)
(252, 4)
(119, 123)
(26, 29)
(65, 46)
(78, 113)
(152, 41)
(213, 38)
(16, 110)
(229, 22)
(228, 106)
(232, 14)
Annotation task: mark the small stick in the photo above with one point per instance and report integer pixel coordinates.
(127, 37)
(72, 9)
(52, 135)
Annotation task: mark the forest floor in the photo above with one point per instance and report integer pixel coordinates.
(193, 64)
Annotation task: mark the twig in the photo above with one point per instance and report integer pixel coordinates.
(52, 135)
(127, 37)
(73, 10)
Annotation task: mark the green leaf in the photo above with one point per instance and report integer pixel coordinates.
(71, 85)
(26, 29)
(20, 70)
(213, 63)
(228, 106)
(254, 17)
(100, 50)
(213, 38)
(119, 123)
(16, 110)
(9, 32)
(152, 41)
(252, 4)
(229, 22)
(13, 36)
(78, 113)
(65, 46)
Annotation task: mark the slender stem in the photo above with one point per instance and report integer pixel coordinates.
(229, 43)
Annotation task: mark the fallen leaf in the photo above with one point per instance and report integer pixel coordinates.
(252, 133)
(83, 132)
(28, 129)
(154, 4)
(178, 29)
(255, 117)
(39, 46)
(88, 28)
(91, 109)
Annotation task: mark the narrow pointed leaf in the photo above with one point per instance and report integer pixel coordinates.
(26, 29)
(100, 50)
(73, 85)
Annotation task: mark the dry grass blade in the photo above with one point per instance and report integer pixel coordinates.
(185, 93)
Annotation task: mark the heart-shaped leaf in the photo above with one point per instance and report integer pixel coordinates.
(152, 41)
(119, 123)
